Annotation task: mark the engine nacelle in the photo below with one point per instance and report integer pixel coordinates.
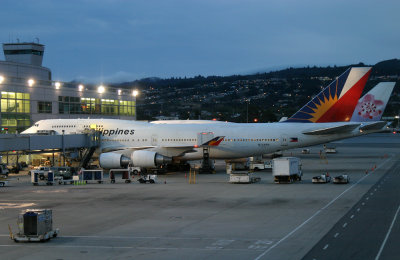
(148, 159)
(113, 160)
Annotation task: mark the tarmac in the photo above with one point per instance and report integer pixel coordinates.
(213, 219)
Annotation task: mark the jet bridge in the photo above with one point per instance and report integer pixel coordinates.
(29, 143)
(49, 142)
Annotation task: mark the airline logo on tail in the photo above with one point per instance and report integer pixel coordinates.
(336, 103)
(371, 106)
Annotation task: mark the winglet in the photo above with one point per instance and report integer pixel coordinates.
(214, 142)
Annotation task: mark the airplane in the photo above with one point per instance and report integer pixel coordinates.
(145, 144)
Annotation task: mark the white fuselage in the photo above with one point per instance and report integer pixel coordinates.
(240, 140)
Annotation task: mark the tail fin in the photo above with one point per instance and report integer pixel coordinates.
(337, 101)
(371, 106)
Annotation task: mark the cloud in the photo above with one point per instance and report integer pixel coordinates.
(115, 77)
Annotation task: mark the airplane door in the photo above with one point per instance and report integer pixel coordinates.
(284, 140)
(154, 140)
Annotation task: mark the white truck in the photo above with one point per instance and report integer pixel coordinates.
(286, 169)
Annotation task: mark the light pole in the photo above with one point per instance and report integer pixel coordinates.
(247, 110)
(134, 94)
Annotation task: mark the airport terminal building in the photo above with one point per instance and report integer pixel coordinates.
(28, 93)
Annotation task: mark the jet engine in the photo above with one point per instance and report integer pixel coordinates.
(148, 159)
(113, 160)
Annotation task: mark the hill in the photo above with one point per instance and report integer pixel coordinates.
(265, 96)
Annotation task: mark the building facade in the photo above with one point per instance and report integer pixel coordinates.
(28, 93)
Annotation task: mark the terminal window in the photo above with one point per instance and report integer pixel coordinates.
(44, 107)
(28, 51)
(15, 111)
(76, 105)
(12, 102)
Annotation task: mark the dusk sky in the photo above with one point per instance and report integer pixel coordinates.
(111, 40)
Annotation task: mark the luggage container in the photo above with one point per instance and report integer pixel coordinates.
(36, 178)
(126, 175)
(92, 176)
(50, 178)
(286, 169)
(34, 225)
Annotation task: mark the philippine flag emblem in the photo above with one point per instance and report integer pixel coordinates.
(294, 139)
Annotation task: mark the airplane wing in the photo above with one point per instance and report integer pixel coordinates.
(333, 130)
(120, 148)
(373, 126)
(183, 148)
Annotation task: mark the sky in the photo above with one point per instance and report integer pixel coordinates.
(100, 41)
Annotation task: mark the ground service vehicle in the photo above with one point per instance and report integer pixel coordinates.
(286, 169)
(341, 179)
(323, 178)
(4, 170)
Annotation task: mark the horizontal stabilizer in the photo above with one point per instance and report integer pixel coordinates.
(333, 130)
(373, 126)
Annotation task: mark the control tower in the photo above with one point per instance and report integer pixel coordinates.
(26, 52)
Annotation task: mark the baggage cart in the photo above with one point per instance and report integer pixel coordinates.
(126, 175)
(37, 178)
(34, 225)
(92, 176)
(243, 178)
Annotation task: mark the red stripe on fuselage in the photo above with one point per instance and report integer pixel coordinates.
(343, 109)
